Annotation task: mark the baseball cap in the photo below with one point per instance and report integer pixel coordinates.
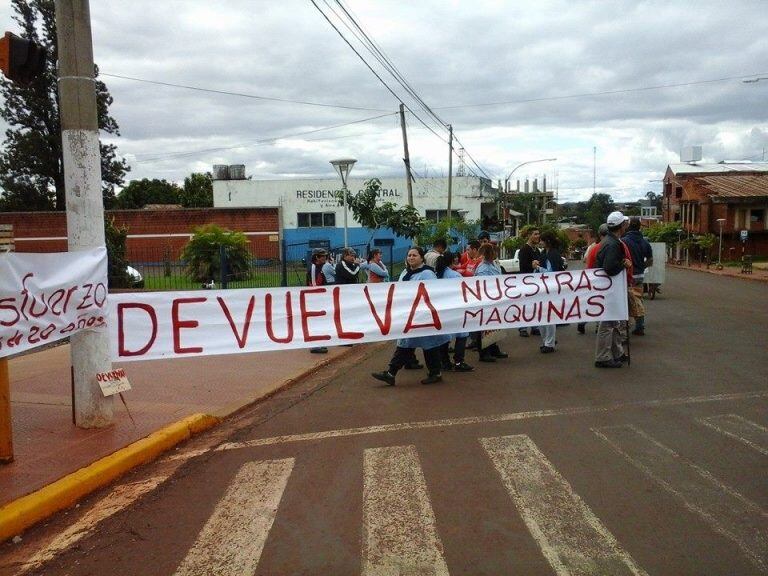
(616, 219)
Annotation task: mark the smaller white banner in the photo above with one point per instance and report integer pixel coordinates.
(48, 297)
(113, 382)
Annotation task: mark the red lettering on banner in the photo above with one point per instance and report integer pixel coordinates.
(473, 314)
(494, 316)
(544, 279)
(241, 340)
(531, 281)
(12, 309)
(575, 310)
(600, 273)
(555, 310)
(584, 282)
(288, 319)
(337, 319)
(511, 291)
(121, 350)
(422, 294)
(385, 326)
(563, 279)
(307, 314)
(87, 297)
(179, 324)
(492, 281)
(598, 302)
(465, 287)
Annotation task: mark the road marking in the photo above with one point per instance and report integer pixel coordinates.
(573, 411)
(721, 507)
(118, 499)
(743, 430)
(572, 538)
(232, 540)
(399, 532)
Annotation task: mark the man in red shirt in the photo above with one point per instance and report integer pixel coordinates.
(469, 260)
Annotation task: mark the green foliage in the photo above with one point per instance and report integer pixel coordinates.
(203, 256)
(115, 238)
(579, 244)
(404, 221)
(597, 209)
(139, 193)
(705, 242)
(526, 205)
(31, 165)
(197, 191)
(663, 232)
(447, 228)
(514, 243)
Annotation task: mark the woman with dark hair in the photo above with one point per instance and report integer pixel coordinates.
(417, 270)
(488, 267)
(552, 261)
(375, 268)
(443, 270)
(348, 267)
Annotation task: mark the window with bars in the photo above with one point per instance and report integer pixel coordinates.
(316, 219)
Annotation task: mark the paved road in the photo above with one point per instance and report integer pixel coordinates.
(534, 465)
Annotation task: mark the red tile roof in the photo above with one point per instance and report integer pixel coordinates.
(735, 185)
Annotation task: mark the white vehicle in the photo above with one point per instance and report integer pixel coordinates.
(512, 265)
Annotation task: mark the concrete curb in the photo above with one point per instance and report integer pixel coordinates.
(716, 273)
(22, 513)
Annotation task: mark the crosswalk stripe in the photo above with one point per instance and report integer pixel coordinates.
(743, 430)
(721, 507)
(399, 531)
(233, 538)
(572, 538)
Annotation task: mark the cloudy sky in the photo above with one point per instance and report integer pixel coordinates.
(518, 81)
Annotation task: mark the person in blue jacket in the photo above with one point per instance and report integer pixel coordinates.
(443, 270)
(416, 270)
(488, 267)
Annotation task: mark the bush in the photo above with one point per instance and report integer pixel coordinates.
(117, 266)
(203, 254)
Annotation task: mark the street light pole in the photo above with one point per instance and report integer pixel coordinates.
(506, 180)
(720, 249)
(343, 167)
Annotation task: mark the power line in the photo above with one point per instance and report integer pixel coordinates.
(258, 142)
(240, 94)
(604, 93)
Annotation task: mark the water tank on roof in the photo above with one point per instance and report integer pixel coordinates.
(220, 172)
(237, 171)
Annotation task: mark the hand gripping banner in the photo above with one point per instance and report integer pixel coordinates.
(47, 297)
(146, 326)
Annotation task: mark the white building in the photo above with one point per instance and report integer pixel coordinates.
(311, 213)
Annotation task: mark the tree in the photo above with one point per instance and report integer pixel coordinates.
(664, 232)
(139, 193)
(597, 209)
(203, 254)
(31, 165)
(448, 229)
(197, 191)
(404, 221)
(117, 266)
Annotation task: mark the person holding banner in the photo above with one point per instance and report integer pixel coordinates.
(488, 267)
(590, 256)
(444, 270)
(416, 270)
(315, 277)
(530, 260)
(612, 258)
(469, 259)
(552, 261)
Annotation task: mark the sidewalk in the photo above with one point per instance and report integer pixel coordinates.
(48, 446)
(759, 271)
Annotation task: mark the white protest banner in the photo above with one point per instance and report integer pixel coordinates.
(146, 326)
(47, 297)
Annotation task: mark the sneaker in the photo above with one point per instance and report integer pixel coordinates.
(463, 367)
(607, 364)
(414, 366)
(320, 350)
(535, 332)
(639, 331)
(432, 379)
(546, 349)
(622, 358)
(524, 333)
(487, 358)
(384, 377)
(500, 354)
(447, 366)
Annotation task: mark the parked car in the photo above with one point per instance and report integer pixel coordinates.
(512, 265)
(135, 277)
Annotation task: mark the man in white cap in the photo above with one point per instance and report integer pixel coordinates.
(612, 258)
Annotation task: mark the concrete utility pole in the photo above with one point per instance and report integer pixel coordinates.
(406, 157)
(450, 169)
(82, 180)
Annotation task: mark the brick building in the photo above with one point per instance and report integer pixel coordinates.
(154, 234)
(698, 195)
